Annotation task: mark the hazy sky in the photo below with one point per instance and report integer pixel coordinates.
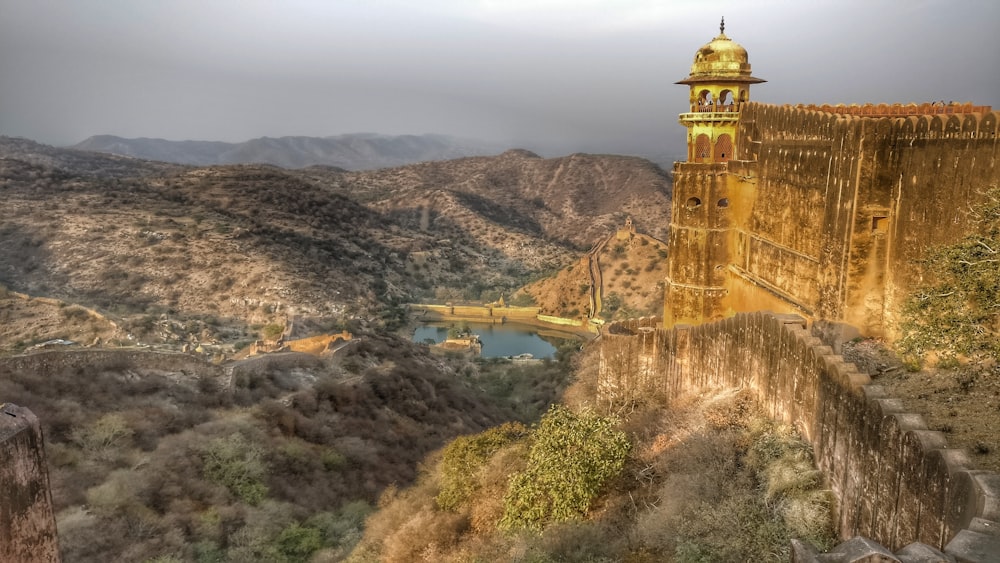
(552, 75)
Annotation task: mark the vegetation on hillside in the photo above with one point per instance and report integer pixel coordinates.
(382, 452)
(632, 272)
(709, 479)
(284, 465)
(955, 312)
(156, 246)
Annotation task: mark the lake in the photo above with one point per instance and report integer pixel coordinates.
(499, 340)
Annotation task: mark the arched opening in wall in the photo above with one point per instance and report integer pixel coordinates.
(724, 148)
(743, 96)
(724, 202)
(726, 100)
(692, 203)
(702, 148)
(705, 100)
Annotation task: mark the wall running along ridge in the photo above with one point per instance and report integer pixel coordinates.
(896, 481)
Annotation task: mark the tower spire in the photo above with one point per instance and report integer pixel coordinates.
(722, 25)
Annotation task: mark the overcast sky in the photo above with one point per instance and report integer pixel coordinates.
(553, 75)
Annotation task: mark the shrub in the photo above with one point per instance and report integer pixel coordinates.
(272, 331)
(238, 465)
(955, 311)
(463, 458)
(104, 436)
(571, 458)
(296, 543)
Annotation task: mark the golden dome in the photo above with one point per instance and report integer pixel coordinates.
(721, 59)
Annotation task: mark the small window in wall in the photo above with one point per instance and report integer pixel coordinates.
(692, 203)
(724, 202)
(880, 224)
(702, 148)
(724, 147)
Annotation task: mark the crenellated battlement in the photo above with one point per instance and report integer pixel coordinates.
(897, 110)
(896, 480)
(823, 213)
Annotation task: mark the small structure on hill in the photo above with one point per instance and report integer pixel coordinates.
(627, 232)
(468, 342)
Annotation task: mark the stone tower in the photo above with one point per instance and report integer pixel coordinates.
(720, 82)
(704, 210)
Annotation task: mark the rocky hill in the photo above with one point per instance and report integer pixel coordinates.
(632, 269)
(518, 195)
(359, 151)
(237, 246)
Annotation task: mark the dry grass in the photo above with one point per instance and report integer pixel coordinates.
(710, 479)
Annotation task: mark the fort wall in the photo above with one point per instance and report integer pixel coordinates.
(52, 362)
(824, 214)
(498, 315)
(896, 481)
(27, 523)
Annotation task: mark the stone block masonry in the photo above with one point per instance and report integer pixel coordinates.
(826, 211)
(27, 523)
(896, 481)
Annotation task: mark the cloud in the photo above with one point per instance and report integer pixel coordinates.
(582, 75)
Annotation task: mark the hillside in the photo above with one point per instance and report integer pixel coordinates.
(359, 151)
(26, 321)
(234, 247)
(155, 455)
(632, 267)
(576, 199)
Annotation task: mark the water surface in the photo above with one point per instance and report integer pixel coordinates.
(499, 340)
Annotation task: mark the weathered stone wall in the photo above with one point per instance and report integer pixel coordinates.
(824, 214)
(27, 524)
(57, 361)
(843, 207)
(896, 481)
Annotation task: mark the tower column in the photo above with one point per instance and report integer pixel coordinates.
(701, 227)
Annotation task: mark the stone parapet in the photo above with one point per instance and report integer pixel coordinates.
(27, 523)
(896, 481)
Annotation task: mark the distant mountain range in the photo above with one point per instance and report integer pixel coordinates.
(357, 151)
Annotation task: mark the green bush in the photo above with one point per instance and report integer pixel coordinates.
(238, 465)
(296, 543)
(465, 455)
(273, 331)
(572, 457)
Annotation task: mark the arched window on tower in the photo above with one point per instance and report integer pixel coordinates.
(702, 148)
(705, 100)
(723, 148)
(726, 101)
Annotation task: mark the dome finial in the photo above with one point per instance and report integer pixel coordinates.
(722, 25)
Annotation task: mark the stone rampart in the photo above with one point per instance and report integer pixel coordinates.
(895, 110)
(825, 214)
(27, 523)
(495, 315)
(265, 363)
(896, 481)
(51, 362)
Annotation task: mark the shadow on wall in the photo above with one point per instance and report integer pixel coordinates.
(896, 481)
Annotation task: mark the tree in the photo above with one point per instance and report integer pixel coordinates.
(465, 455)
(571, 459)
(956, 312)
(237, 464)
